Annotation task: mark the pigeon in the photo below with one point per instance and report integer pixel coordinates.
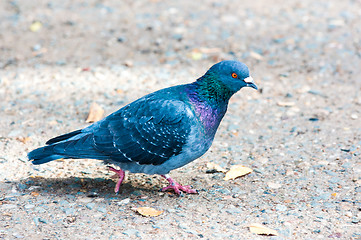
(159, 132)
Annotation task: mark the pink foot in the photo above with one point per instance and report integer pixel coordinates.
(177, 188)
(121, 175)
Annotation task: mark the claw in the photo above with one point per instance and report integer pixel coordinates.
(177, 188)
(118, 173)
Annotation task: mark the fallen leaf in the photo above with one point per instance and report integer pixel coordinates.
(119, 91)
(35, 26)
(213, 167)
(196, 54)
(148, 211)
(286, 104)
(34, 194)
(95, 113)
(237, 171)
(210, 50)
(53, 122)
(256, 56)
(262, 230)
(23, 139)
(36, 177)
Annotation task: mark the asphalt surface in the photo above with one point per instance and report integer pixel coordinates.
(300, 133)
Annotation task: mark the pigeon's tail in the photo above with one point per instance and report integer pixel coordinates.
(48, 153)
(76, 144)
(63, 137)
(43, 155)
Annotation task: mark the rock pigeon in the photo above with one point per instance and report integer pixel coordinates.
(159, 132)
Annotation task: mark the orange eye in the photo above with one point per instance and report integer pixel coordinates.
(234, 75)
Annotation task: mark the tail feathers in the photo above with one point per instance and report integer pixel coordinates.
(63, 137)
(79, 147)
(47, 159)
(43, 155)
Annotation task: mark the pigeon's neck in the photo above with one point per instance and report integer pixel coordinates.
(212, 89)
(210, 101)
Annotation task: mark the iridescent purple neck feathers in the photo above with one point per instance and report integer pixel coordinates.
(208, 108)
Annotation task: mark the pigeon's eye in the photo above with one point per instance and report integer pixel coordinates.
(234, 75)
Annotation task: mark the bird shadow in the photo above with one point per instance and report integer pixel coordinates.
(89, 187)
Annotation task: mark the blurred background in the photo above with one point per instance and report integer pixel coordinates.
(311, 35)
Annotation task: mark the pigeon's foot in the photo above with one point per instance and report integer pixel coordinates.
(118, 173)
(177, 188)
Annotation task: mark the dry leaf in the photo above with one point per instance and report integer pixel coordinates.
(196, 54)
(23, 139)
(215, 167)
(34, 194)
(119, 91)
(95, 113)
(148, 211)
(262, 230)
(286, 104)
(53, 123)
(210, 50)
(35, 26)
(237, 171)
(256, 56)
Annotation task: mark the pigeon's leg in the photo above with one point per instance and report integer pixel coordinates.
(121, 175)
(176, 186)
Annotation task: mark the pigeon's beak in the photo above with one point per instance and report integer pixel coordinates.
(250, 83)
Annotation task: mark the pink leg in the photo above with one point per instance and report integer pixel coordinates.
(176, 186)
(121, 175)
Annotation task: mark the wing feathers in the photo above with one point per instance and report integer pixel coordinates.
(146, 132)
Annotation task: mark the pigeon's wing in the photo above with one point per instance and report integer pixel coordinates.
(148, 131)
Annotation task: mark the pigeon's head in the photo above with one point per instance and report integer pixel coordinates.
(233, 74)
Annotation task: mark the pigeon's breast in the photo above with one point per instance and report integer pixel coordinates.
(210, 117)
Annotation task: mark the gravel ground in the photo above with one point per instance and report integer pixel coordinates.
(300, 133)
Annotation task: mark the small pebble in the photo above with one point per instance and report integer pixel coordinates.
(22, 186)
(124, 201)
(64, 203)
(131, 232)
(354, 116)
(29, 206)
(281, 208)
(233, 210)
(355, 220)
(90, 206)
(102, 209)
(69, 211)
(274, 185)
